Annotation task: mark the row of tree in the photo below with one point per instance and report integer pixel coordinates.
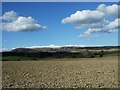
(86, 54)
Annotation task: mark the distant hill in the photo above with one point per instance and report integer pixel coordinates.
(24, 50)
(63, 52)
(67, 49)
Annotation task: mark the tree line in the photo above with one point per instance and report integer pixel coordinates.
(63, 54)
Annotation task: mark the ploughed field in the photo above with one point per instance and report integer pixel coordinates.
(61, 73)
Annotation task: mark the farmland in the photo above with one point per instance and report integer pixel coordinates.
(62, 73)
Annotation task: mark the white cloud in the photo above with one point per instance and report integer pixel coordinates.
(93, 21)
(84, 17)
(90, 31)
(74, 46)
(111, 27)
(9, 16)
(90, 25)
(20, 23)
(111, 10)
(49, 46)
(55, 46)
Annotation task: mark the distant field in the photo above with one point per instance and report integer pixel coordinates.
(62, 73)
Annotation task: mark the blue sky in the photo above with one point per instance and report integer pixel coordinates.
(56, 33)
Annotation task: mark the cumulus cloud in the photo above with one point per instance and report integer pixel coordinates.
(111, 10)
(9, 16)
(84, 17)
(95, 20)
(19, 23)
(111, 27)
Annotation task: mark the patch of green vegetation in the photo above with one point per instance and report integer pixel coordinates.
(16, 58)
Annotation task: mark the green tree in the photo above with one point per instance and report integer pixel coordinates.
(101, 53)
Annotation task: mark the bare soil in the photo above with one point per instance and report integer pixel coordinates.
(61, 73)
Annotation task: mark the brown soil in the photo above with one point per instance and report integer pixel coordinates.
(68, 73)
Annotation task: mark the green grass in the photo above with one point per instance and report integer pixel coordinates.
(15, 58)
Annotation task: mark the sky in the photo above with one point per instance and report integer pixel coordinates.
(59, 24)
